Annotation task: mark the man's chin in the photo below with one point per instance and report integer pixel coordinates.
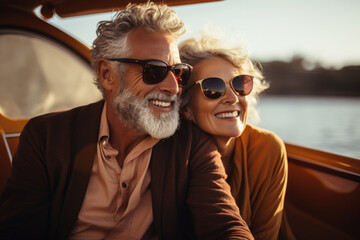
(161, 126)
(138, 115)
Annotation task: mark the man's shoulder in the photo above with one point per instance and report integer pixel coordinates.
(187, 138)
(63, 119)
(68, 115)
(188, 130)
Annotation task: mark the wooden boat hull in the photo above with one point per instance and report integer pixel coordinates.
(323, 194)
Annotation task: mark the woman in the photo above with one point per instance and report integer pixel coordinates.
(221, 93)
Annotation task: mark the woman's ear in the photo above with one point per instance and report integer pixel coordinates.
(105, 73)
(188, 113)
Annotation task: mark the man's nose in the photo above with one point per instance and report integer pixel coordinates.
(170, 84)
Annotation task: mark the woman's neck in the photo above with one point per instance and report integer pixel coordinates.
(226, 148)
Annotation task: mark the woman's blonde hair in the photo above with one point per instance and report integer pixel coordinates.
(208, 45)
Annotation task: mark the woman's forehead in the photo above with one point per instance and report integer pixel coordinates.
(215, 67)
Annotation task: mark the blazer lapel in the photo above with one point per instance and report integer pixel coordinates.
(157, 167)
(163, 188)
(84, 139)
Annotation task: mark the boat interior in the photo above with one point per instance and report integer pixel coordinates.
(323, 192)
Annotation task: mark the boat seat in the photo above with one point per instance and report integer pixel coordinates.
(10, 130)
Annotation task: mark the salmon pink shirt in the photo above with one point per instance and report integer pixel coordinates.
(117, 203)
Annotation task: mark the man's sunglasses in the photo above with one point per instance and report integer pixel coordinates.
(214, 87)
(155, 71)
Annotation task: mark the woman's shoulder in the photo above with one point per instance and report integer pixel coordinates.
(257, 132)
(254, 137)
(264, 148)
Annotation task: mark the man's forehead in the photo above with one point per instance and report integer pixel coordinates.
(175, 52)
(144, 43)
(140, 37)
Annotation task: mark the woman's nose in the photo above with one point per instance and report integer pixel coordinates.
(230, 96)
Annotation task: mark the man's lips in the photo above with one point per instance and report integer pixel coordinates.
(160, 103)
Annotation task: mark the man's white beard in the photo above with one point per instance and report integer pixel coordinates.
(137, 115)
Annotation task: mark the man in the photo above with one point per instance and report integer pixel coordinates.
(101, 171)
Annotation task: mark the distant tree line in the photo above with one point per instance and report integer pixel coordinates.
(292, 78)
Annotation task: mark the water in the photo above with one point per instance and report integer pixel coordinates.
(325, 123)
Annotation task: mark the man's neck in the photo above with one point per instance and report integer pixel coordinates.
(121, 138)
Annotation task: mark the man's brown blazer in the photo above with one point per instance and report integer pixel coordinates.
(51, 171)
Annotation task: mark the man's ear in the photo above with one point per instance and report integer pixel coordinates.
(106, 73)
(188, 113)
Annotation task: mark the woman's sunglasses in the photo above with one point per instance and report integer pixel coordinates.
(155, 71)
(214, 87)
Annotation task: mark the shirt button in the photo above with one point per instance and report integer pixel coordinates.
(124, 185)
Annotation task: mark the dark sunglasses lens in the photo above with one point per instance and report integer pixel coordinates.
(213, 88)
(243, 84)
(182, 74)
(154, 72)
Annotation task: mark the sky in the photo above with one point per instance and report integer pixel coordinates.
(326, 32)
